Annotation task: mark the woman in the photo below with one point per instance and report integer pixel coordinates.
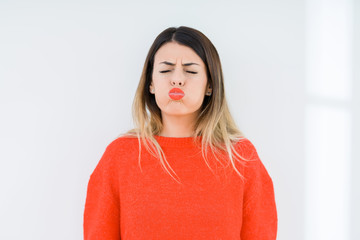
(177, 188)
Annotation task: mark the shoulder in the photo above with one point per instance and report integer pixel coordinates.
(254, 166)
(246, 149)
(118, 149)
(122, 144)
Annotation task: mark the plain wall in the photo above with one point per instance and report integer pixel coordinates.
(355, 167)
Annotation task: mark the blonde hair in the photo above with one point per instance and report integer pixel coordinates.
(214, 122)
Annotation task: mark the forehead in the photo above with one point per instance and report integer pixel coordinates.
(174, 52)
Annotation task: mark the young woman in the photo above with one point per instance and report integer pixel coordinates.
(198, 177)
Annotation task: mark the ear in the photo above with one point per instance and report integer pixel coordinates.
(208, 90)
(151, 88)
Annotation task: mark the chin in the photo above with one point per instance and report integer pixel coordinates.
(179, 113)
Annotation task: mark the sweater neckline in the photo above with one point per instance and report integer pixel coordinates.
(177, 141)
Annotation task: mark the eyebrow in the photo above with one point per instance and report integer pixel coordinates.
(173, 64)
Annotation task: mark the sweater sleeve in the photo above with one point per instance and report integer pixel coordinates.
(259, 207)
(102, 210)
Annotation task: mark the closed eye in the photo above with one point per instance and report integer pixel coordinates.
(186, 71)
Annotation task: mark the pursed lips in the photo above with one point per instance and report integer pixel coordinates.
(176, 94)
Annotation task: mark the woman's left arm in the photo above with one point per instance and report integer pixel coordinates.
(259, 207)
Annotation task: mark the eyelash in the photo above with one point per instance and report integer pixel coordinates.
(186, 71)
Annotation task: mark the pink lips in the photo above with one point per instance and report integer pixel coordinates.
(176, 94)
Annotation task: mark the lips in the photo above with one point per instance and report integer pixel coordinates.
(176, 94)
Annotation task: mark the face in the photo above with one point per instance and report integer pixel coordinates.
(178, 66)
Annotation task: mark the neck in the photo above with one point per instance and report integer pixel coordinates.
(177, 126)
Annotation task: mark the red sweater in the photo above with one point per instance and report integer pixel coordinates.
(126, 203)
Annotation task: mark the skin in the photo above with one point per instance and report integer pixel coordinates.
(178, 116)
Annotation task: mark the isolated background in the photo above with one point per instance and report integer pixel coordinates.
(69, 71)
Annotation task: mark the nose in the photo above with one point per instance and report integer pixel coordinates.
(178, 78)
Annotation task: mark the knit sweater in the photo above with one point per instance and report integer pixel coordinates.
(127, 202)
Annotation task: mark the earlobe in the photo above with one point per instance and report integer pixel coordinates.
(151, 89)
(208, 91)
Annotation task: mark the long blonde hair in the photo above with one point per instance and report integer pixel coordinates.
(214, 122)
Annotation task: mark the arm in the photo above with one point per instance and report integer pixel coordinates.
(259, 207)
(102, 206)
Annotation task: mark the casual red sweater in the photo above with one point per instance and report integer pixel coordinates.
(126, 203)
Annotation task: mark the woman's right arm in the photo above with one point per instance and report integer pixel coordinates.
(102, 205)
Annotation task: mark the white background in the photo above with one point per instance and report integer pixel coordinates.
(68, 75)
